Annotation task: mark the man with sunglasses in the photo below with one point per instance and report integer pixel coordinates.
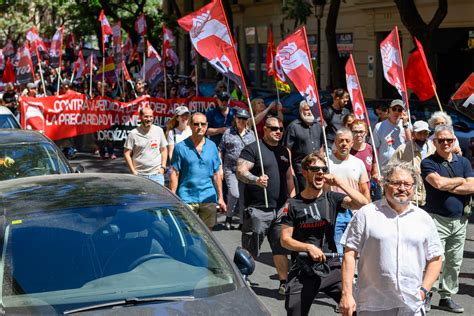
(196, 173)
(392, 132)
(309, 227)
(262, 220)
(449, 183)
(399, 251)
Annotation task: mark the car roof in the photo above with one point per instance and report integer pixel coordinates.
(5, 111)
(15, 136)
(65, 191)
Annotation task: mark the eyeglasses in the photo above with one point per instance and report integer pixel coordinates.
(317, 169)
(445, 140)
(358, 132)
(398, 185)
(275, 128)
(200, 124)
(397, 109)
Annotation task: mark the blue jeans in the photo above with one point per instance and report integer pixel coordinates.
(158, 178)
(342, 221)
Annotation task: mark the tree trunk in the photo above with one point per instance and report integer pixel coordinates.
(335, 74)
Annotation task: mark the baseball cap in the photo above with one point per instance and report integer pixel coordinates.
(242, 113)
(180, 110)
(397, 102)
(420, 126)
(223, 96)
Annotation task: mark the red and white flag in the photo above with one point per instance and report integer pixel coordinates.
(151, 51)
(117, 43)
(56, 50)
(71, 42)
(125, 71)
(211, 38)
(106, 29)
(153, 67)
(393, 65)
(140, 25)
(295, 59)
(35, 40)
(418, 75)
(127, 48)
(80, 67)
(171, 58)
(9, 50)
(355, 91)
(463, 99)
(24, 70)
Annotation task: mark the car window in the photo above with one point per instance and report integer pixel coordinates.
(8, 121)
(77, 257)
(25, 160)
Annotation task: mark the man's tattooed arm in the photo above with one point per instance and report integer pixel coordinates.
(243, 171)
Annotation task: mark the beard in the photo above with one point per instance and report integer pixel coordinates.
(308, 119)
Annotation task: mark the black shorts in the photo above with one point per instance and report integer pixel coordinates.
(257, 225)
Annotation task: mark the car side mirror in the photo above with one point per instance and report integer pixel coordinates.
(244, 261)
(79, 169)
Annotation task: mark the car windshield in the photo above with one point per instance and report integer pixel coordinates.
(30, 159)
(71, 258)
(8, 121)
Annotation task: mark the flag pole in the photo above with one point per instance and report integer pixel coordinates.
(40, 69)
(72, 75)
(278, 92)
(103, 71)
(59, 79)
(90, 77)
(144, 60)
(437, 98)
(196, 77)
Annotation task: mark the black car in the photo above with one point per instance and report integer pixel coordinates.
(88, 243)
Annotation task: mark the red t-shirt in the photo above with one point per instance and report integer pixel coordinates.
(367, 157)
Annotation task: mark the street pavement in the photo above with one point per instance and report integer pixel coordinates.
(265, 280)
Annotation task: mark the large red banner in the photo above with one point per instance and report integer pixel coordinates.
(74, 114)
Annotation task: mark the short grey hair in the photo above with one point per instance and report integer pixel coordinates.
(442, 128)
(391, 168)
(344, 131)
(302, 105)
(438, 115)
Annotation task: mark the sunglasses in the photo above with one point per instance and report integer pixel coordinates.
(200, 124)
(317, 169)
(275, 128)
(445, 140)
(397, 109)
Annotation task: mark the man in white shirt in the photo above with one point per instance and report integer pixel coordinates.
(396, 241)
(145, 149)
(352, 171)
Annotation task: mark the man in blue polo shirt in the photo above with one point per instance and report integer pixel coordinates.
(196, 175)
(219, 118)
(449, 183)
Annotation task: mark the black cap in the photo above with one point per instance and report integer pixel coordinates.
(242, 113)
(223, 96)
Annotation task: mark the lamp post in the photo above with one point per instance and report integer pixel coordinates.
(319, 11)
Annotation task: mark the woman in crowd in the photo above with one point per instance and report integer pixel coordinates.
(232, 143)
(442, 118)
(177, 128)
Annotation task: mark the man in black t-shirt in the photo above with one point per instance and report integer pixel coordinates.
(334, 114)
(309, 227)
(262, 220)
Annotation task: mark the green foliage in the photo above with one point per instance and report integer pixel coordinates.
(298, 10)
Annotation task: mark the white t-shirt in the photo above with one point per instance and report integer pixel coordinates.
(352, 171)
(146, 149)
(176, 135)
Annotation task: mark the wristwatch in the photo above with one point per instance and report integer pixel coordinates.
(424, 291)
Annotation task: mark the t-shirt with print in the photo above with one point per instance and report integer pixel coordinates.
(146, 149)
(313, 220)
(176, 135)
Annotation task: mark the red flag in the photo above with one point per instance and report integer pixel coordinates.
(140, 24)
(36, 41)
(151, 51)
(80, 67)
(125, 71)
(170, 56)
(57, 48)
(393, 65)
(355, 91)
(295, 59)
(106, 29)
(8, 73)
(24, 71)
(9, 50)
(211, 38)
(463, 99)
(172, 59)
(418, 75)
(270, 54)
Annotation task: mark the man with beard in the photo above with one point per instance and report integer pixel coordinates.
(399, 251)
(262, 220)
(219, 118)
(145, 149)
(334, 114)
(352, 171)
(309, 227)
(303, 136)
(418, 150)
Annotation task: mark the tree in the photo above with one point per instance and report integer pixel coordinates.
(336, 72)
(414, 23)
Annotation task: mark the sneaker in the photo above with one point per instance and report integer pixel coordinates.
(282, 288)
(447, 304)
(228, 223)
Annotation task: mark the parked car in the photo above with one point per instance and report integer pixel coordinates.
(26, 153)
(93, 242)
(7, 119)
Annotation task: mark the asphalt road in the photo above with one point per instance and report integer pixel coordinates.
(265, 281)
